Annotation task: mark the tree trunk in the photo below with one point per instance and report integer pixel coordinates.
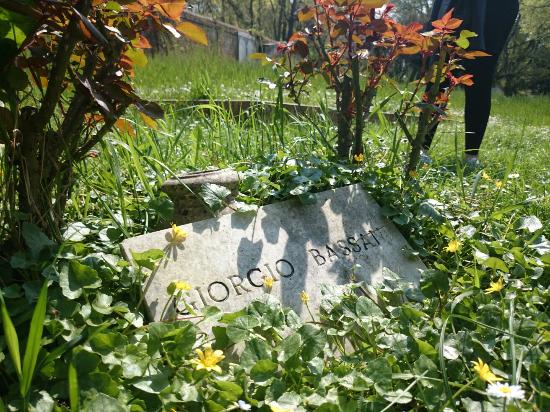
(359, 110)
(42, 189)
(251, 13)
(344, 104)
(291, 19)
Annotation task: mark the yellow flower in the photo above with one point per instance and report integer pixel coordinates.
(304, 296)
(485, 175)
(453, 246)
(276, 408)
(498, 184)
(182, 285)
(178, 234)
(208, 359)
(359, 158)
(484, 372)
(413, 174)
(268, 282)
(495, 286)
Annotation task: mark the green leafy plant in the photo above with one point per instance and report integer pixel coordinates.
(34, 341)
(346, 42)
(441, 51)
(64, 72)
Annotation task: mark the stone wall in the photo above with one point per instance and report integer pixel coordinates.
(230, 40)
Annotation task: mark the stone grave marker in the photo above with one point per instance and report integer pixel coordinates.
(300, 246)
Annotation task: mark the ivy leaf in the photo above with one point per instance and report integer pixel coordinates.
(541, 245)
(255, 349)
(399, 396)
(356, 381)
(263, 370)
(153, 383)
(214, 196)
(425, 347)
(531, 223)
(86, 362)
(102, 304)
(100, 381)
(429, 208)
(211, 314)
(36, 240)
(313, 341)
(241, 328)
(496, 263)
(379, 371)
(103, 403)
(107, 343)
(147, 259)
(76, 232)
(229, 390)
(184, 340)
(433, 281)
(76, 277)
(450, 352)
(289, 347)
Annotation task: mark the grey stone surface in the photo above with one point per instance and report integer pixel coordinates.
(300, 246)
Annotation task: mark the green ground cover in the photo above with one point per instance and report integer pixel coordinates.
(483, 234)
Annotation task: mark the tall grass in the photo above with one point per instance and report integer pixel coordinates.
(124, 180)
(199, 73)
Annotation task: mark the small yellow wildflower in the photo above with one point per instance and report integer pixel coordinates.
(178, 234)
(276, 408)
(208, 359)
(304, 296)
(359, 158)
(495, 286)
(485, 176)
(453, 246)
(268, 282)
(484, 372)
(413, 174)
(498, 184)
(182, 285)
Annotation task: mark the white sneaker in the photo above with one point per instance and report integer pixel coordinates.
(472, 161)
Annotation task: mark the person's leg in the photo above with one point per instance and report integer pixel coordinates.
(477, 107)
(501, 15)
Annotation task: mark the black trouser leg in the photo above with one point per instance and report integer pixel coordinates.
(477, 105)
(501, 15)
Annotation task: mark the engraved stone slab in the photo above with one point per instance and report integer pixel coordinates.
(300, 246)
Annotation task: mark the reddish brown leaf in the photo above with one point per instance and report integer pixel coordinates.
(148, 121)
(474, 54)
(172, 10)
(124, 126)
(307, 13)
(141, 42)
(193, 32)
(151, 109)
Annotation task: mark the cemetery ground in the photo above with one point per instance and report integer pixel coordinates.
(474, 337)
